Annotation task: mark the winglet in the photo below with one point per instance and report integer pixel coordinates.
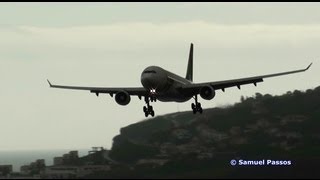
(49, 83)
(308, 66)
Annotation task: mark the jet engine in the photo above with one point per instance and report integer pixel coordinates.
(207, 92)
(122, 98)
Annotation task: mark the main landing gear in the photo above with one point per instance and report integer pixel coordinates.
(148, 109)
(196, 107)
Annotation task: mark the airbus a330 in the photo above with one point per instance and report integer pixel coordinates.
(160, 84)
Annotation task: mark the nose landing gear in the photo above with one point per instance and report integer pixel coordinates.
(148, 109)
(196, 107)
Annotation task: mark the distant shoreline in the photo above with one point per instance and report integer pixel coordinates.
(18, 158)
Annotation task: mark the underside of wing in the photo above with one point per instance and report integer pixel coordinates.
(138, 91)
(195, 88)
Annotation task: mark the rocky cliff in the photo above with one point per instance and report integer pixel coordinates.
(182, 145)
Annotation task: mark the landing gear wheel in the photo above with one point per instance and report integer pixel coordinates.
(194, 111)
(193, 106)
(152, 113)
(148, 109)
(196, 107)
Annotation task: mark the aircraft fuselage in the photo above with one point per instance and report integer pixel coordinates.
(164, 85)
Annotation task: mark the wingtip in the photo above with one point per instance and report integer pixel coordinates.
(49, 83)
(309, 66)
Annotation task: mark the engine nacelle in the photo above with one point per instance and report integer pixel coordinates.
(207, 92)
(123, 98)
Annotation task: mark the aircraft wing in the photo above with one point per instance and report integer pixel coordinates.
(195, 87)
(138, 91)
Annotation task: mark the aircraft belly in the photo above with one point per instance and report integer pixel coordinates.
(173, 96)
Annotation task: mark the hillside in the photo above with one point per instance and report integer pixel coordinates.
(184, 145)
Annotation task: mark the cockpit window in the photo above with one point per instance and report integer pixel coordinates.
(150, 71)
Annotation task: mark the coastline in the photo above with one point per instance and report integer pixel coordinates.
(18, 158)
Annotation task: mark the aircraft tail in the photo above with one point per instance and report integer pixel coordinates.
(189, 74)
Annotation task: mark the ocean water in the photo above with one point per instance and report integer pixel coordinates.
(25, 157)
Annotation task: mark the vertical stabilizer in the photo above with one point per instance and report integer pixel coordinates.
(189, 74)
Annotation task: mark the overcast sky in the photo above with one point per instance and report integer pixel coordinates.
(109, 44)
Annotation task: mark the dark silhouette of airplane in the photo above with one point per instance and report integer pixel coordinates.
(160, 84)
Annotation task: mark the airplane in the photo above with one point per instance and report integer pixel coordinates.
(160, 84)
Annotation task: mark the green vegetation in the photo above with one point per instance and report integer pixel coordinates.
(184, 145)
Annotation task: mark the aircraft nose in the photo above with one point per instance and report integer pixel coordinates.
(148, 81)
